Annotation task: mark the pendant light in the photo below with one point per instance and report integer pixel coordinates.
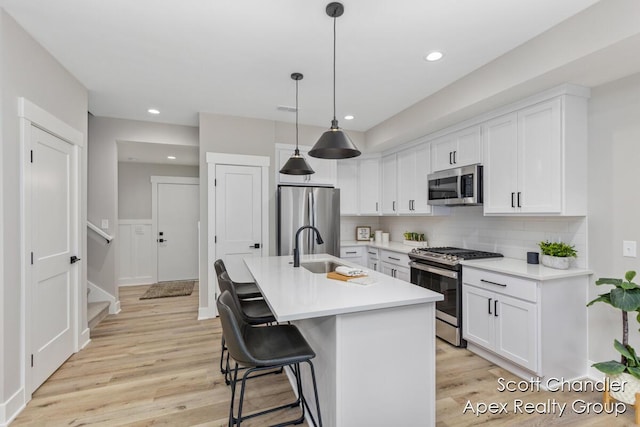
(334, 143)
(296, 165)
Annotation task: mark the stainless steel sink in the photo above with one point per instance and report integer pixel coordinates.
(321, 266)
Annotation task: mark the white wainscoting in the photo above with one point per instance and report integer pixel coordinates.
(135, 252)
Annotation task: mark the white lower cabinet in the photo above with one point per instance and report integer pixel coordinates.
(395, 264)
(355, 254)
(501, 324)
(373, 259)
(524, 325)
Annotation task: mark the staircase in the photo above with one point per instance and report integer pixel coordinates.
(96, 311)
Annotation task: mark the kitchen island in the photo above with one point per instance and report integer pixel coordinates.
(374, 343)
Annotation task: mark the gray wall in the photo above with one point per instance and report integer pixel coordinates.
(614, 203)
(27, 70)
(239, 135)
(103, 182)
(134, 186)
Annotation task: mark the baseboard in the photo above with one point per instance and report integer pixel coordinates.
(97, 294)
(139, 281)
(84, 339)
(206, 313)
(10, 409)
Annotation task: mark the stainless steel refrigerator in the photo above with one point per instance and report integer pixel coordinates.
(317, 206)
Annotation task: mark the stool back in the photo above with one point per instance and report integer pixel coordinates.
(233, 328)
(220, 267)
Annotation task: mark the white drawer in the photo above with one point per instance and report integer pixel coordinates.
(394, 257)
(373, 253)
(352, 252)
(500, 283)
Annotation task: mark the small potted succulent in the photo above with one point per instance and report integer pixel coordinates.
(557, 254)
(625, 296)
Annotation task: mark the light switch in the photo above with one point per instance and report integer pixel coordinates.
(105, 224)
(629, 248)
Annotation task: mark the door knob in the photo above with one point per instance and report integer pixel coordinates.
(162, 240)
(74, 259)
(255, 246)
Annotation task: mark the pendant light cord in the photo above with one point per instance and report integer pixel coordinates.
(297, 150)
(334, 68)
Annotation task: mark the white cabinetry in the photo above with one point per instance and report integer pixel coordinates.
(412, 185)
(355, 254)
(359, 183)
(373, 259)
(535, 159)
(457, 149)
(389, 184)
(395, 264)
(325, 169)
(526, 325)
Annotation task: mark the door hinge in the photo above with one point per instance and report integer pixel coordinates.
(32, 360)
(31, 258)
(215, 239)
(31, 156)
(215, 182)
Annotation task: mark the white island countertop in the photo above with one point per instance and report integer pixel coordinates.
(296, 293)
(518, 267)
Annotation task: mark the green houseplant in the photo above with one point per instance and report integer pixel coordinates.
(557, 254)
(625, 296)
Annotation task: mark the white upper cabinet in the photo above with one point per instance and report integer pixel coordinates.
(359, 183)
(413, 167)
(325, 169)
(535, 161)
(389, 185)
(457, 149)
(369, 186)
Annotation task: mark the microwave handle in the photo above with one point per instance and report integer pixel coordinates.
(430, 269)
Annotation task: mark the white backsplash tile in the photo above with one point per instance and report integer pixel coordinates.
(468, 228)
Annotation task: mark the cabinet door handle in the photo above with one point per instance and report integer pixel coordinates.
(454, 157)
(493, 283)
(489, 305)
(513, 205)
(393, 205)
(376, 206)
(495, 308)
(519, 193)
(398, 259)
(450, 157)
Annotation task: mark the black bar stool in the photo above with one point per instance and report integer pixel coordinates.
(253, 312)
(244, 290)
(263, 348)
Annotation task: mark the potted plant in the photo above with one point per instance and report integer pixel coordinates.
(557, 254)
(625, 296)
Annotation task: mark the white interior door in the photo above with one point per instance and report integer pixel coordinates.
(178, 211)
(238, 217)
(53, 240)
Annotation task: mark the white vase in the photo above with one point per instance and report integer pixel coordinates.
(626, 394)
(561, 263)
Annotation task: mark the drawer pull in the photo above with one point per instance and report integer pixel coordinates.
(493, 283)
(352, 252)
(395, 259)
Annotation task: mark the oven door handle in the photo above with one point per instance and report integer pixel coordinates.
(435, 270)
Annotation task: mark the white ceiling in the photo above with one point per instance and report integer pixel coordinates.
(235, 57)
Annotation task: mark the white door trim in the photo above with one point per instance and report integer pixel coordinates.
(214, 159)
(32, 115)
(155, 180)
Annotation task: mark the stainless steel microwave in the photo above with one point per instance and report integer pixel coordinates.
(456, 187)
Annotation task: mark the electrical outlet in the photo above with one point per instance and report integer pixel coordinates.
(629, 248)
(105, 224)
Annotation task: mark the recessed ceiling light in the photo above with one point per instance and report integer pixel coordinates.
(171, 157)
(434, 56)
(349, 117)
(153, 111)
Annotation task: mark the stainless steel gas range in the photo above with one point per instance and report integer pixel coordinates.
(439, 270)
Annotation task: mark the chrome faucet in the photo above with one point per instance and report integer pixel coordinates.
(296, 251)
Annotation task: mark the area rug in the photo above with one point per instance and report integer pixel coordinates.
(169, 289)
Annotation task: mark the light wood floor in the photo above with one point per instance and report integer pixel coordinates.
(155, 364)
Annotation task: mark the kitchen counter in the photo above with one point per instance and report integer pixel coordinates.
(518, 267)
(296, 293)
(392, 246)
(359, 333)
